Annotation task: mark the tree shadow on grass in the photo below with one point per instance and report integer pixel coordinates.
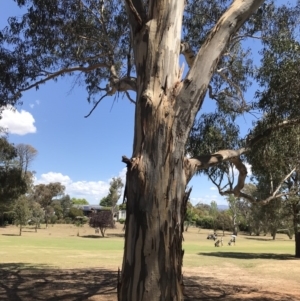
(211, 289)
(91, 236)
(106, 236)
(242, 255)
(10, 234)
(22, 282)
(264, 238)
(116, 234)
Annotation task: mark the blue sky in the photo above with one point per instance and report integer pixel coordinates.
(81, 153)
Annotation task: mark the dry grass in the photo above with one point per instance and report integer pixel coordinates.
(56, 264)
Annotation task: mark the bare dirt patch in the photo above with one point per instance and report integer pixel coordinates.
(19, 282)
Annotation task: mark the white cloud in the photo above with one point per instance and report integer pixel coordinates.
(213, 188)
(32, 105)
(19, 123)
(54, 177)
(92, 191)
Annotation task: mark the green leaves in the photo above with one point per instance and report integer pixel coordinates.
(58, 35)
(12, 182)
(114, 194)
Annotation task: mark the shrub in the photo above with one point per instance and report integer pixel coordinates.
(205, 222)
(74, 212)
(102, 220)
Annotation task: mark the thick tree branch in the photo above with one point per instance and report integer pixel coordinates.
(188, 53)
(238, 193)
(194, 86)
(242, 175)
(122, 85)
(195, 164)
(192, 165)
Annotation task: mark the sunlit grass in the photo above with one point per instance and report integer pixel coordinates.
(59, 246)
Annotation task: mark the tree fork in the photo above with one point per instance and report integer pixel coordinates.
(157, 173)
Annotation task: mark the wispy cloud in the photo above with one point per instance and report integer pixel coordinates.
(32, 105)
(17, 122)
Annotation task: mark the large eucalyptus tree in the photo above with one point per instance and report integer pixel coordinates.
(134, 47)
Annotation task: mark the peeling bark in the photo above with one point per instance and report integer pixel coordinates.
(157, 172)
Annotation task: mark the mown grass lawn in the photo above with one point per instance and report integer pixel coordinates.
(254, 263)
(60, 246)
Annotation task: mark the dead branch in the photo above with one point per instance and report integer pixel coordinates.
(95, 105)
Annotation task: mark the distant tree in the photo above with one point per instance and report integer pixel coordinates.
(22, 212)
(122, 206)
(246, 207)
(66, 204)
(79, 201)
(12, 183)
(37, 214)
(223, 221)
(74, 212)
(80, 221)
(114, 194)
(202, 209)
(25, 155)
(44, 195)
(213, 212)
(58, 209)
(49, 213)
(234, 212)
(102, 220)
(190, 216)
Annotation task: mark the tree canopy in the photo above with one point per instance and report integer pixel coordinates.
(12, 182)
(76, 201)
(44, 194)
(102, 220)
(114, 193)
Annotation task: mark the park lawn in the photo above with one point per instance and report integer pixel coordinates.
(257, 256)
(55, 261)
(60, 247)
